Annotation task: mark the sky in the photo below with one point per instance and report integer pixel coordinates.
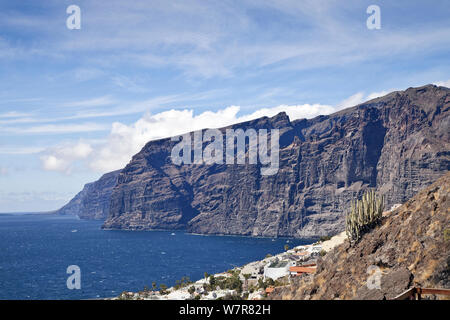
(77, 103)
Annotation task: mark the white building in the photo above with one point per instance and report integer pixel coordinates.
(254, 269)
(315, 249)
(277, 269)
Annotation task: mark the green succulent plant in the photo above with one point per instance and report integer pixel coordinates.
(364, 215)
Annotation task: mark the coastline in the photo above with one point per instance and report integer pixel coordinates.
(253, 279)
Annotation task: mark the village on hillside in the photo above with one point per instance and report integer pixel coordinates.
(253, 281)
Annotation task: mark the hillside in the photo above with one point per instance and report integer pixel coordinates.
(411, 247)
(93, 201)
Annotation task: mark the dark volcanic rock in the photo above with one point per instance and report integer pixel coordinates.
(93, 201)
(397, 144)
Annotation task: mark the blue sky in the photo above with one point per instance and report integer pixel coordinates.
(75, 104)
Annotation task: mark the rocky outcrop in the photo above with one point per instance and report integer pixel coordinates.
(411, 248)
(397, 144)
(93, 201)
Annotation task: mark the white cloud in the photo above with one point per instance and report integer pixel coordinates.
(361, 97)
(294, 112)
(52, 163)
(124, 141)
(20, 150)
(95, 102)
(353, 100)
(443, 83)
(57, 128)
(374, 95)
(61, 158)
(19, 120)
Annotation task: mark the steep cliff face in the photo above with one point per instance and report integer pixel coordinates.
(397, 144)
(410, 248)
(93, 201)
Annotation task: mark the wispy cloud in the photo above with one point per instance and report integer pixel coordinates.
(13, 114)
(86, 74)
(23, 120)
(128, 84)
(15, 150)
(19, 100)
(219, 39)
(91, 103)
(56, 129)
(98, 107)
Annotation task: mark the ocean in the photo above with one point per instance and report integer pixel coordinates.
(36, 250)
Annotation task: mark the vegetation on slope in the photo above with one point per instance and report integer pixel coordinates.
(408, 248)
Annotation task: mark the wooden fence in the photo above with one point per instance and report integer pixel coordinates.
(416, 293)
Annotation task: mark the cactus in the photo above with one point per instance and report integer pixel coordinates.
(364, 214)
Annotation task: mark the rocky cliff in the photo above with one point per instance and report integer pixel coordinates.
(93, 201)
(410, 248)
(397, 144)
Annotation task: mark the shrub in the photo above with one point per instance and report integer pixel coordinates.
(162, 289)
(233, 283)
(324, 238)
(230, 296)
(266, 283)
(185, 281)
(212, 281)
(364, 215)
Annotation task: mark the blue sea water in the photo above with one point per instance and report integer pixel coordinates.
(35, 251)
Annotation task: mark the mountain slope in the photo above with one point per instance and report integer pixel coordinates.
(397, 144)
(411, 247)
(93, 202)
